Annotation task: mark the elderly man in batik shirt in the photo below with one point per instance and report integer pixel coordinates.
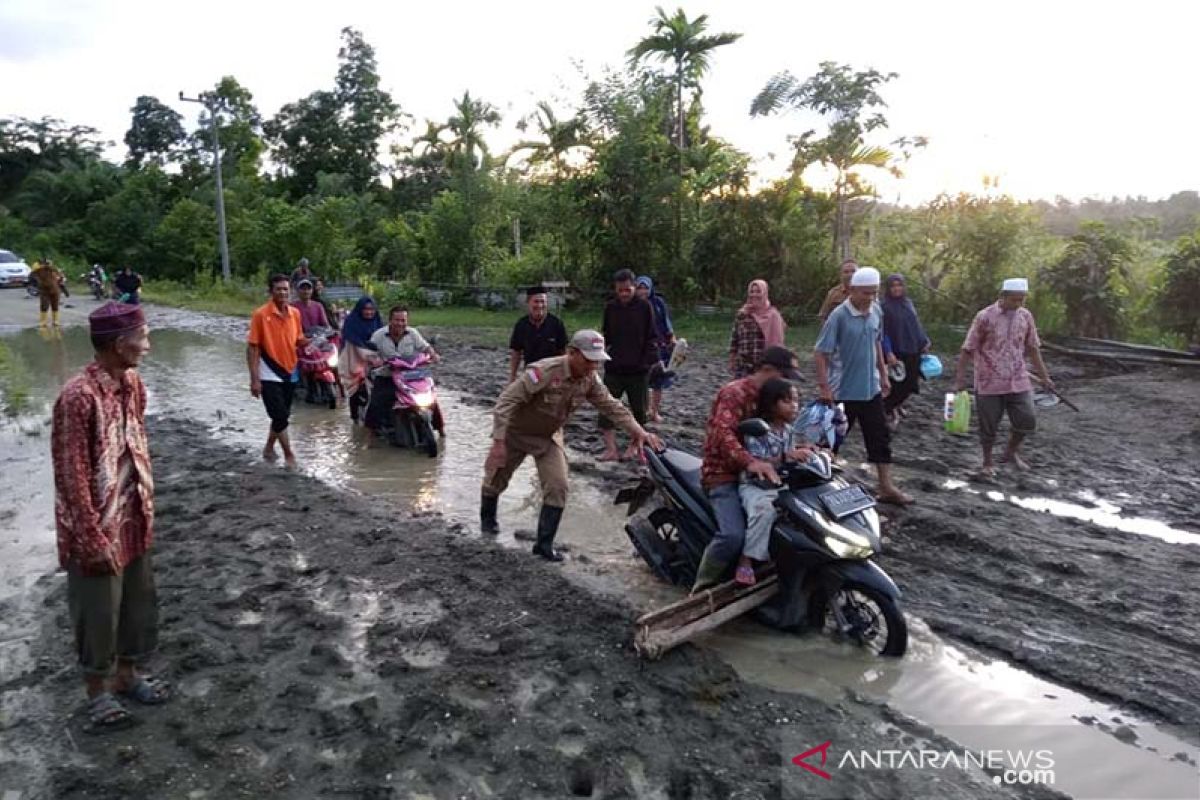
(104, 513)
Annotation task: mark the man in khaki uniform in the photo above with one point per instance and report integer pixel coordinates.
(528, 420)
(841, 292)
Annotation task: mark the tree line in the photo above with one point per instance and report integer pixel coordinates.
(633, 174)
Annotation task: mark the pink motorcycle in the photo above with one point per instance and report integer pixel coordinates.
(415, 414)
(318, 367)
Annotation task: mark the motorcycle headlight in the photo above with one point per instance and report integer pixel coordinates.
(423, 399)
(333, 359)
(844, 549)
(844, 542)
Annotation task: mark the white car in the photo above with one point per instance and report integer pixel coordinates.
(13, 271)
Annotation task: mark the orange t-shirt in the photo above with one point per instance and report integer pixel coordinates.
(276, 334)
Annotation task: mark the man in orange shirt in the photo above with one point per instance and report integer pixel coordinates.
(275, 333)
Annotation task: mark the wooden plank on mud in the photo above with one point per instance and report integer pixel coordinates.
(668, 627)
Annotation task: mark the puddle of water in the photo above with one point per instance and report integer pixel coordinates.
(989, 702)
(1102, 512)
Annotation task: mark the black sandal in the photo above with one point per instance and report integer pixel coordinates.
(105, 713)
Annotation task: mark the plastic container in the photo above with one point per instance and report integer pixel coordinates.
(931, 366)
(957, 413)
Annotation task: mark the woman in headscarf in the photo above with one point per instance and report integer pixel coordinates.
(355, 364)
(908, 341)
(664, 342)
(757, 326)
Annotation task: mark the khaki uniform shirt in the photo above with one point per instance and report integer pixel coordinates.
(833, 298)
(541, 400)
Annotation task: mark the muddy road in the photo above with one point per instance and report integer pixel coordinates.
(347, 632)
(1102, 595)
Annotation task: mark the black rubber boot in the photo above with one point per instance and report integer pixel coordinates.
(547, 528)
(487, 514)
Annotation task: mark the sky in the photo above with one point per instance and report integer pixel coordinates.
(1052, 98)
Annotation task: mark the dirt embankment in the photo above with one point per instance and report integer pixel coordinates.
(1115, 615)
(326, 646)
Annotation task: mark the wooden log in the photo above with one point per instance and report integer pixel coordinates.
(706, 601)
(1123, 359)
(1109, 345)
(670, 627)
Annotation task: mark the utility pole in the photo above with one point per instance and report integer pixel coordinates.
(214, 104)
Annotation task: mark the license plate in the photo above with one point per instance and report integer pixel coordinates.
(844, 502)
(414, 374)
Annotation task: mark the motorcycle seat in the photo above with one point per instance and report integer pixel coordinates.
(686, 469)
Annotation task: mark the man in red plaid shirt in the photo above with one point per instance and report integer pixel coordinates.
(725, 458)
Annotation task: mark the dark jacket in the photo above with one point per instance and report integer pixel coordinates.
(628, 331)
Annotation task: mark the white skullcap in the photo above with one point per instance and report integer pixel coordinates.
(865, 276)
(1015, 285)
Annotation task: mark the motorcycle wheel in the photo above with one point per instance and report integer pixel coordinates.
(873, 620)
(31, 289)
(423, 435)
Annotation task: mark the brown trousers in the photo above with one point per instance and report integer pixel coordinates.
(549, 458)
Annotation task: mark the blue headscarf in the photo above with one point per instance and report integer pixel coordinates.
(357, 329)
(900, 323)
(662, 317)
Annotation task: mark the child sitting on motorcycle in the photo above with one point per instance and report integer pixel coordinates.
(779, 407)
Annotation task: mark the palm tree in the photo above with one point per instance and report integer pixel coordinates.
(558, 138)
(682, 43)
(850, 100)
(467, 147)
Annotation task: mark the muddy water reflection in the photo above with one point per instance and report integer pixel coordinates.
(1102, 512)
(980, 703)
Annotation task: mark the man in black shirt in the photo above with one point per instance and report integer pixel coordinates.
(537, 335)
(629, 331)
(129, 284)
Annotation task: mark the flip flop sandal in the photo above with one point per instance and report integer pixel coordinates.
(745, 575)
(105, 713)
(148, 691)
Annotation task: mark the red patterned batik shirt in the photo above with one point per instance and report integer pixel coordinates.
(724, 455)
(104, 493)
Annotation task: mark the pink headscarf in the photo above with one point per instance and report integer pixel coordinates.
(769, 320)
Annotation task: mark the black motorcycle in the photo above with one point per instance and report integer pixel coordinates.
(95, 285)
(822, 545)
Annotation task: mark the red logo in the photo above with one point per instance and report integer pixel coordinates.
(823, 749)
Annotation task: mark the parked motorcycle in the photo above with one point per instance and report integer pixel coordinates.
(822, 545)
(318, 360)
(415, 414)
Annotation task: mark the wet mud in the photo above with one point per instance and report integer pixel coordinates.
(1109, 612)
(338, 647)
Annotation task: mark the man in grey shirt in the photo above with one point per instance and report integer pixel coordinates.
(397, 340)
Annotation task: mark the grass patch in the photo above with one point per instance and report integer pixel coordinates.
(217, 298)
(15, 382)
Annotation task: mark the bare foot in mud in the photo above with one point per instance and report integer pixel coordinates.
(987, 472)
(896, 498)
(269, 454)
(289, 462)
(1016, 461)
